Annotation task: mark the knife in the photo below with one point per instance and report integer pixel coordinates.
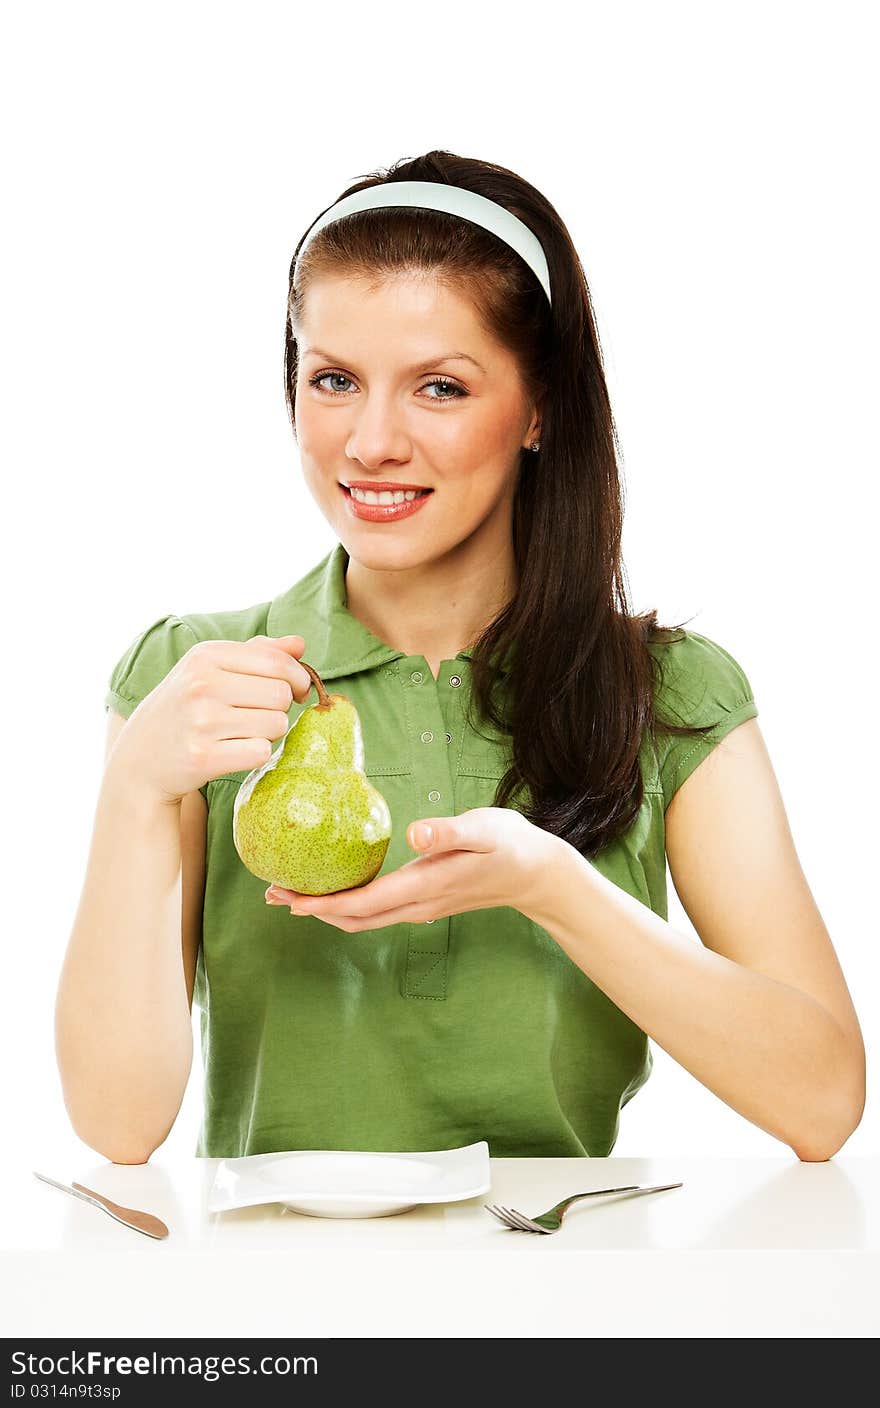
(129, 1217)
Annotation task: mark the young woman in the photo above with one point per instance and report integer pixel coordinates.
(447, 396)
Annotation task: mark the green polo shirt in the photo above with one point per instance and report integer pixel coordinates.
(414, 1036)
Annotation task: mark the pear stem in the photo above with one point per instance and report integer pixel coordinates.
(323, 696)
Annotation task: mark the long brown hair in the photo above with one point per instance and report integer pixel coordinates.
(583, 688)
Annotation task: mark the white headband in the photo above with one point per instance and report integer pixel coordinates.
(455, 200)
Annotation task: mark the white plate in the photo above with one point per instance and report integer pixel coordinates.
(351, 1183)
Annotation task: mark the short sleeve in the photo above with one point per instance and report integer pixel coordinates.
(701, 684)
(146, 662)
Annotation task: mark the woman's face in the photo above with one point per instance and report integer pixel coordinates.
(400, 385)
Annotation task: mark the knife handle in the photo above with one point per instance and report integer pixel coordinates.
(132, 1217)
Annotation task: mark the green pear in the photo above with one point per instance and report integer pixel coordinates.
(309, 819)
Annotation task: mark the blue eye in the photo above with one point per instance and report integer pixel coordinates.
(322, 376)
(437, 381)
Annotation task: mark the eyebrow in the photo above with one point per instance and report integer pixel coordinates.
(422, 366)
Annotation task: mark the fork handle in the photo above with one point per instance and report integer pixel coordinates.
(595, 1192)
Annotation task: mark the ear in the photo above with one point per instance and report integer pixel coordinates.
(537, 418)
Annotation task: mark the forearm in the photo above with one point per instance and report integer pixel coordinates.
(770, 1051)
(123, 1030)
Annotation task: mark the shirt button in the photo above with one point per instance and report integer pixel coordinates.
(455, 681)
(433, 796)
(416, 676)
(428, 737)
(449, 738)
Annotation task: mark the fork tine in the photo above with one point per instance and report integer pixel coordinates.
(509, 1220)
(501, 1218)
(523, 1223)
(533, 1226)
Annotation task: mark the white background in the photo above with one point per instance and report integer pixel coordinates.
(714, 167)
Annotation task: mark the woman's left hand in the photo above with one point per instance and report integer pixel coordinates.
(479, 859)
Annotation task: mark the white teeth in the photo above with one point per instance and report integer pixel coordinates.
(369, 496)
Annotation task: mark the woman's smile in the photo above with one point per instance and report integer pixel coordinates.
(384, 506)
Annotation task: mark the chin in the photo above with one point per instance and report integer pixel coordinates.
(384, 556)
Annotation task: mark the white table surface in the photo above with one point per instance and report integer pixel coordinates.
(748, 1247)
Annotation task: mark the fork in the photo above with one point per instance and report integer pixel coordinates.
(551, 1221)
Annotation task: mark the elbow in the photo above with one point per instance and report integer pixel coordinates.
(816, 1154)
(818, 1147)
(118, 1151)
(116, 1145)
(825, 1138)
(127, 1137)
(126, 1155)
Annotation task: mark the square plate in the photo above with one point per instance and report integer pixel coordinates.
(351, 1183)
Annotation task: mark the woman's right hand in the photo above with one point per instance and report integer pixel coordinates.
(219, 710)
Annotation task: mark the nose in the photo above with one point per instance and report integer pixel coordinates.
(376, 437)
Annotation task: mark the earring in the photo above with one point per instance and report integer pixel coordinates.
(536, 445)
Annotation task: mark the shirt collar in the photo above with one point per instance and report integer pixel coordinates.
(315, 607)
